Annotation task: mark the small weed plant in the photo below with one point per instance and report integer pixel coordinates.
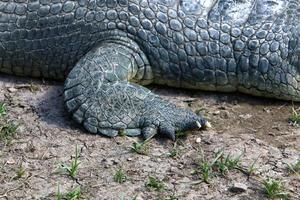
(226, 163)
(2, 109)
(275, 189)
(206, 168)
(295, 168)
(295, 118)
(8, 131)
(175, 151)
(72, 169)
(20, 172)
(141, 147)
(155, 184)
(252, 168)
(8, 128)
(221, 163)
(120, 176)
(74, 194)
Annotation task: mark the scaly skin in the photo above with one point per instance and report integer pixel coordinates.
(219, 45)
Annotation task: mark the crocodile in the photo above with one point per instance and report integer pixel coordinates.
(106, 51)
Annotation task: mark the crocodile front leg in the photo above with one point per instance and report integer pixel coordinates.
(99, 95)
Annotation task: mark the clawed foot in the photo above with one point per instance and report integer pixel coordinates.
(129, 109)
(165, 118)
(98, 94)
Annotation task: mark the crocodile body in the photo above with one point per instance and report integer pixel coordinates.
(218, 45)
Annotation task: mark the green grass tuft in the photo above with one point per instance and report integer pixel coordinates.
(275, 189)
(206, 171)
(225, 163)
(140, 147)
(20, 172)
(120, 176)
(221, 163)
(295, 118)
(72, 169)
(8, 128)
(206, 168)
(2, 109)
(8, 131)
(74, 194)
(252, 169)
(295, 168)
(155, 184)
(173, 153)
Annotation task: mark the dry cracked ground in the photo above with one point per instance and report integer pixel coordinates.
(256, 136)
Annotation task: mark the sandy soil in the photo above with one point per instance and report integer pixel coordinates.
(46, 139)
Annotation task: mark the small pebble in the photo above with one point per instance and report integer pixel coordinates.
(216, 112)
(12, 89)
(11, 161)
(246, 116)
(198, 140)
(238, 188)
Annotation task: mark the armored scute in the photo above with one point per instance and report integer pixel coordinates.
(107, 49)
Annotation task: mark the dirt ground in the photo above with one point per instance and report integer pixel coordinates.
(30, 163)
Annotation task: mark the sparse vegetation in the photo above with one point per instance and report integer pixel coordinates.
(295, 168)
(295, 118)
(226, 163)
(206, 171)
(8, 128)
(20, 172)
(141, 147)
(206, 167)
(8, 131)
(155, 184)
(120, 176)
(71, 195)
(221, 163)
(174, 152)
(59, 195)
(74, 194)
(72, 169)
(38, 152)
(275, 189)
(2, 109)
(252, 169)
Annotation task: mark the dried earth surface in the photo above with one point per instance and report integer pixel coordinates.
(257, 128)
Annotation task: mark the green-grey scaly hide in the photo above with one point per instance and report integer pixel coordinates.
(107, 49)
